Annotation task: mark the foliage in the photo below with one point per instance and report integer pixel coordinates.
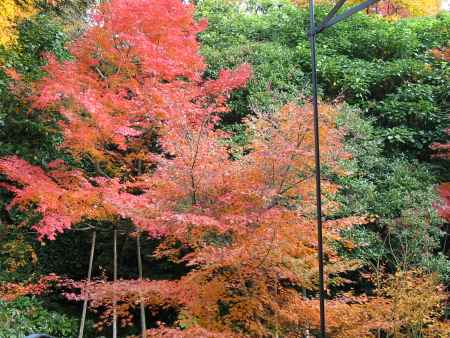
(71, 13)
(405, 8)
(22, 133)
(367, 61)
(17, 254)
(399, 197)
(233, 37)
(27, 315)
(393, 8)
(237, 220)
(444, 210)
(444, 151)
(233, 221)
(416, 8)
(11, 12)
(12, 291)
(417, 300)
(14, 12)
(136, 122)
(417, 104)
(386, 69)
(106, 105)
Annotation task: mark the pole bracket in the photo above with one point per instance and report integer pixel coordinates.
(333, 18)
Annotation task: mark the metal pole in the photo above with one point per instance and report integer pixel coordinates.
(141, 300)
(114, 283)
(312, 38)
(85, 302)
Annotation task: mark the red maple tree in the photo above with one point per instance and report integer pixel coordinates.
(126, 82)
(443, 149)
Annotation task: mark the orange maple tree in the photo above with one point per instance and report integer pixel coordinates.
(135, 103)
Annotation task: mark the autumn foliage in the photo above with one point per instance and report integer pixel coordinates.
(393, 8)
(443, 150)
(11, 291)
(126, 83)
(405, 8)
(134, 103)
(13, 12)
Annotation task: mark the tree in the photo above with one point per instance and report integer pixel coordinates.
(126, 82)
(245, 226)
(394, 8)
(11, 12)
(135, 107)
(405, 8)
(418, 8)
(14, 11)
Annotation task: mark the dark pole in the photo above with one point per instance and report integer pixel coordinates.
(141, 301)
(312, 39)
(330, 20)
(114, 300)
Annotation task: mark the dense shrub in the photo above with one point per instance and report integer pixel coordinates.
(412, 116)
(22, 132)
(26, 315)
(367, 61)
(399, 196)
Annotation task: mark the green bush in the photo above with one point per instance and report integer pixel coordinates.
(411, 118)
(398, 195)
(432, 33)
(36, 36)
(383, 67)
(22, 132)
(27, 315)
(277, 78)
(374, 37)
